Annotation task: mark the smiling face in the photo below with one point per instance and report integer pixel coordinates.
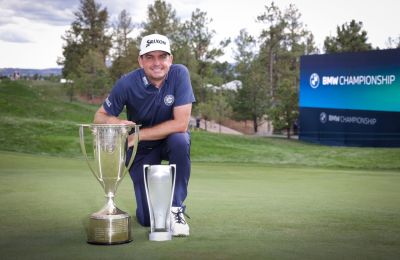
(156, 65)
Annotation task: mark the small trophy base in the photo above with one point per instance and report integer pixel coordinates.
(160, 236)
(109, 229)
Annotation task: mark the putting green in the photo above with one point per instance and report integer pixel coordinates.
(238, 211)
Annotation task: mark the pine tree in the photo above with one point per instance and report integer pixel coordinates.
(124, 58)
(87, 38)
(349, 37)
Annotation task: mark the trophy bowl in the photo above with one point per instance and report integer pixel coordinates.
(110, 225)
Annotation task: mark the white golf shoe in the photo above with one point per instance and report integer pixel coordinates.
(179, 226)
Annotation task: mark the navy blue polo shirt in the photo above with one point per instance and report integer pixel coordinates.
(146, 104)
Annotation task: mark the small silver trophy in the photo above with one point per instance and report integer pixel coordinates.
(160, 184)
(110, 225)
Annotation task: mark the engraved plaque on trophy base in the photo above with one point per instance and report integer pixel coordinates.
(109, 231)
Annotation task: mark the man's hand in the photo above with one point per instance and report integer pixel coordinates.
(117, 121)
(102, 117)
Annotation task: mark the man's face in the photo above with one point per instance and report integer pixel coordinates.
(156, 65)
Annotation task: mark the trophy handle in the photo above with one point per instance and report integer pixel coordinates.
(83, 148)
(173, 166)
(134, 150)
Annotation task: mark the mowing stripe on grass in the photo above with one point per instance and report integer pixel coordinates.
(237, 212)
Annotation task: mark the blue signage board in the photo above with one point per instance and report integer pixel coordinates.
(351, 98)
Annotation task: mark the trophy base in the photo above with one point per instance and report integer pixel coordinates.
(160, 236)
(109, 229)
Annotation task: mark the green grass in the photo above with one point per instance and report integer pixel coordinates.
(249, 197)
(37, 118)
(208, 147)
(237, 212)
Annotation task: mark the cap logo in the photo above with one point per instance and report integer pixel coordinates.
(149, 42)
(154, 42)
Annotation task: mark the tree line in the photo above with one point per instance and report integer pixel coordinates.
(97, 52)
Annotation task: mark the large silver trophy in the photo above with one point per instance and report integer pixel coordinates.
(160, 184)
(110, 225)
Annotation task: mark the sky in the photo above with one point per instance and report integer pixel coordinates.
(31, 30)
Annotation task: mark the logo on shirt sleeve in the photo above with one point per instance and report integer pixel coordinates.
(169, 100)
(108, 102)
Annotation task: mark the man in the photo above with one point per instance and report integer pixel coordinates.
(159, 97)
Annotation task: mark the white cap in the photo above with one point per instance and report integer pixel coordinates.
(154, 42)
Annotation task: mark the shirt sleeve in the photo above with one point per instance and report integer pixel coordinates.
(183, 91)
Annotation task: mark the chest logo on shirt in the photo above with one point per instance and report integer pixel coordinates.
(169, 100)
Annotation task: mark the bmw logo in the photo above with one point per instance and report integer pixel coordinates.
(314, 80)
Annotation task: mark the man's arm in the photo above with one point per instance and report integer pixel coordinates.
(179, 124)
(102, 117)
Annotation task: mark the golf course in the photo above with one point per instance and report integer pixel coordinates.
(249, 197)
